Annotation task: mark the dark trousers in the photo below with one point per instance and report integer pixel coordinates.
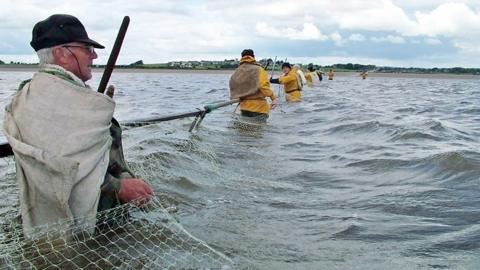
(252, 114)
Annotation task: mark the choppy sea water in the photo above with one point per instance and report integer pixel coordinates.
(380, 173)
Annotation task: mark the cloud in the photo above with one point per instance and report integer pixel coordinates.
(433, 41)
(389, 38)
(215, 29)
(376, 16)
(308, 32)
(356, 38)
(450, 19)
(336, 37)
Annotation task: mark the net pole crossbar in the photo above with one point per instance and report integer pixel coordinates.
(153, 120)
(198, 112)
(6, 150)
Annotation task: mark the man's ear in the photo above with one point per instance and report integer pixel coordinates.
(59, 55)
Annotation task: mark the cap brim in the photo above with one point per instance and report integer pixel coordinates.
(92, 42)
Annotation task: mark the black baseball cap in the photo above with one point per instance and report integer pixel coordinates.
(248, 52)
(286, 64)
(60, 29)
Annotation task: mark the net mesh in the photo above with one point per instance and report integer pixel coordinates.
(126, 237)
(248, 125)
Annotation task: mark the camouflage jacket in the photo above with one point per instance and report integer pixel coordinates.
(117, 169)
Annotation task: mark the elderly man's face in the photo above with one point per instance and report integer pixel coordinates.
(77, 58)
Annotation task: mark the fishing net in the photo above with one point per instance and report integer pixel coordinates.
(126, 237)
(252, 125)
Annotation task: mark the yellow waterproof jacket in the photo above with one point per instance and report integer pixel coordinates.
(291, 86)
(330, 75)
(309, 76)
(257, 102)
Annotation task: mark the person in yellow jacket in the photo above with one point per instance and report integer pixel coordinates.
(364, 74)
(250, 84)
(310, 76)
(291, 83)
(330, 75)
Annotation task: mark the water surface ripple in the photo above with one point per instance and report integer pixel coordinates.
(375, 174)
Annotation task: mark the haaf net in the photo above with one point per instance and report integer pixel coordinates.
(126, 237)
(252, 126)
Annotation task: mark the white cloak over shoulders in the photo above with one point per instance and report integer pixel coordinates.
(59, 133)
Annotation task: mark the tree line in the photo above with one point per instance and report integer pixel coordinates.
(233, 63)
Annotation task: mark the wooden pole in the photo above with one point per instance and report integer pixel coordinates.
(114, 55)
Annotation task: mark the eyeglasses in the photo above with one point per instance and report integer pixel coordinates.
(89, 49)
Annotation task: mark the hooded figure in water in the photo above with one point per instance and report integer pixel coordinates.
(250, 84)
(67, 146)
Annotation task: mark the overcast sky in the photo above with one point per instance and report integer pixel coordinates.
(423, 33)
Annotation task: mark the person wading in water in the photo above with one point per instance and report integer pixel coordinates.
(311, 76)
(291, 82)
(330, 75)
(250, 84)
(67, 145)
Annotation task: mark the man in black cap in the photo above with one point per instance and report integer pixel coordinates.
(67, 146)
(62, 40)
(250, 84)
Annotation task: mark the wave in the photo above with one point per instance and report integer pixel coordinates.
(474, 111)
(299, 145)
(414, 135)
(405, 110)
(369, 127)
(328, 108)
(456, 161)
(219, 90)
(464, 240)
(351, 232)
(434, 125)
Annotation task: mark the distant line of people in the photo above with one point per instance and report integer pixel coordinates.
(251, 85)
(311, 74)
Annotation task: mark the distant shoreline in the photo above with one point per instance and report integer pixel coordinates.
(33, 68)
